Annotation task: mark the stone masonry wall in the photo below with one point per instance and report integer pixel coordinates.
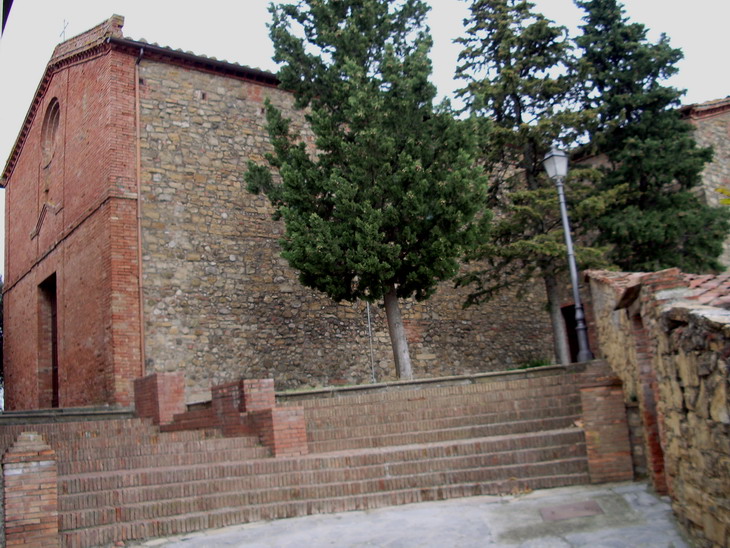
(689, 346)
(219, 301)
(695, 388)
(713, 130)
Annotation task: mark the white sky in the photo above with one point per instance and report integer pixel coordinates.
(234, 30)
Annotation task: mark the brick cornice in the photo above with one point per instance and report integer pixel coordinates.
(106, 37)
(53, 67)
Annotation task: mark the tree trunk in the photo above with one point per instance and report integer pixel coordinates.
(398, 336)
(560, 336)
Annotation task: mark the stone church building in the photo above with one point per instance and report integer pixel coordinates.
(133, 246)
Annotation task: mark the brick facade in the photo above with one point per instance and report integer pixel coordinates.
(71, 291)
(150, 146)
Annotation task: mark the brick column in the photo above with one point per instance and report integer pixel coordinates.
(258, 394)
(160, 396)
(282, 430)
(606, 430)
(31, 493)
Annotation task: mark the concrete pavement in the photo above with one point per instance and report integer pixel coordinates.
(619, 515)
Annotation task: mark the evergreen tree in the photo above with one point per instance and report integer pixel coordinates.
(659, 222)
(391, 198)
(515, 62)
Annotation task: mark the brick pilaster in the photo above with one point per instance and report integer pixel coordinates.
(282, 430)
(606, 428)
(160, 396)
(31, 493)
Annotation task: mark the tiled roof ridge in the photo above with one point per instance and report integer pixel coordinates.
(85, 40)
(201, 56)
(704, 289)
(707, 108)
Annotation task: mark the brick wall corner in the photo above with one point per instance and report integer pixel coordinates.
(30, 475)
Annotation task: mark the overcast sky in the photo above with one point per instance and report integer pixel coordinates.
(235, 30)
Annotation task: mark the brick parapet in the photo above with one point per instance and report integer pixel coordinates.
(238, 408)
(258, 394)
(30, 476)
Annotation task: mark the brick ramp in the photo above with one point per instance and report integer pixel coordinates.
(127, 480)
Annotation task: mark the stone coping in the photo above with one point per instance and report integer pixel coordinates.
(65, 414)
(416, 384)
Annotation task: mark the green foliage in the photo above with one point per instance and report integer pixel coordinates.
(392, 198)
(511, 62)
(515, 63)
(649, 149)
(605, 89)
(724, 192)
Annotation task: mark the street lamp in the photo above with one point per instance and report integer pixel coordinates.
(556, 165)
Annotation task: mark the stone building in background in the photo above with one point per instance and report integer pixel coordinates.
(132, 246)
(712, 123)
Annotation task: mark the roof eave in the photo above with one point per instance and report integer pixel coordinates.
(190, 59)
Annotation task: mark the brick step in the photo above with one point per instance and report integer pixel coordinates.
(442, 435)
(424, 420)
(224, 517)
(265, 488)
(158, 445)
(119, 445)
(80, 430)
(347, 397)
(331, 419)
(445, 398)
(164, 459)
(321, 483)
(387, 482)
(321, 463)
(194, 419)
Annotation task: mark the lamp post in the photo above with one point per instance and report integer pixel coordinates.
(556, 165)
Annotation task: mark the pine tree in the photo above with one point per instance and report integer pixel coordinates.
(391, 199)
(659, 222)
(515, 62)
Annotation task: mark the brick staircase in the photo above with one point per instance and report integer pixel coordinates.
(124, 479)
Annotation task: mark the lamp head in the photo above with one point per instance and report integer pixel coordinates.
(556, 163)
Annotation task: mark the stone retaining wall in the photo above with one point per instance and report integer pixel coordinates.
(669, 348)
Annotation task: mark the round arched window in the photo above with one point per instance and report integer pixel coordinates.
(49, 132)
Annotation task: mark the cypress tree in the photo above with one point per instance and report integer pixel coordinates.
(391, 198)
(516, 65)
(659, 222)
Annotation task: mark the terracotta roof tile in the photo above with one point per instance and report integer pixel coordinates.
(706, 289)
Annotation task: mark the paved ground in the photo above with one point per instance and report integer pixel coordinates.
(619, 515)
